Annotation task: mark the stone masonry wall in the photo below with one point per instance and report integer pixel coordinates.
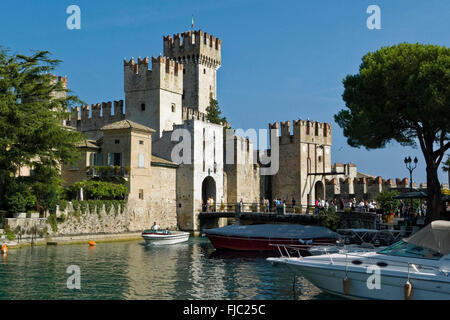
(133, 218)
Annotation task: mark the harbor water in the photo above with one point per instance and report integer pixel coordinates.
(131, 270)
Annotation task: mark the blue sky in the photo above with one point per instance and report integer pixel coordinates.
(281, 60)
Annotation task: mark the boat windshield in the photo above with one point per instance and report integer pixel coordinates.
(404, 249)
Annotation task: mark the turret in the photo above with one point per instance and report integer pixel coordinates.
(200, 54)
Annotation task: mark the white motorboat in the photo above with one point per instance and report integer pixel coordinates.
(352, 248)
(417, 267)
(160, 237)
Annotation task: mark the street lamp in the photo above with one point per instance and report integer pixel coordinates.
(409, 166)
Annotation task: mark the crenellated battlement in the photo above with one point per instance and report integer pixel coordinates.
(303, 131)
(93, 117)
(363, 187)
(166, 74)
(194, 46)
(190, 113)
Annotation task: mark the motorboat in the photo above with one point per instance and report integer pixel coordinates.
(160, 237)
(267, 237)
(416, 268)
(352, 248)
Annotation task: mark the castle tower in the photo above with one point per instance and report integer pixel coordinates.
(153, 97)
(200, 54)
(304, 161)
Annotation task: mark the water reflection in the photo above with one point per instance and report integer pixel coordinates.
(131, 270)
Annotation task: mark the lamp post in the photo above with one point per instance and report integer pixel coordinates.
(410, 167)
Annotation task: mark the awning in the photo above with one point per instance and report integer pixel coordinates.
(435, 236)
(411, 195)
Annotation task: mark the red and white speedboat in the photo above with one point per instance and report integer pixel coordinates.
(266, 237)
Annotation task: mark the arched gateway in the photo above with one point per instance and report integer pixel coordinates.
(208, 191)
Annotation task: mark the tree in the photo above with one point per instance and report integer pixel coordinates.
(213, 113)
(32, 106)
(402, 94)
(386, 202)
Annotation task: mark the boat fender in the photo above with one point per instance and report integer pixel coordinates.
(4, 249)
(346, 285)
(408, 290)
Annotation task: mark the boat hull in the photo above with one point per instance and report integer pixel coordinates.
(330, 279)
(256, 243)
(161, 239)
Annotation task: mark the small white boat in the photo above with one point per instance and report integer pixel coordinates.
(160, 237)
(416, 268)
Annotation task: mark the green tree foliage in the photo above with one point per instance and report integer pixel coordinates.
(100, 190)
(19, 197)
(386, 201)
(213, 113)
(329, 218)
(402, 94)
(32, 106)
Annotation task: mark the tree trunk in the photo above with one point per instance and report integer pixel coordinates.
(434, 194)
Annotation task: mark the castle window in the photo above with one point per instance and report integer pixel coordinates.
(114, 159)
(141, 141)
(204, 71)
(141, 194)
(142, 106)
(173, 107)
(141, 160)
(320, 158)
(117, 141)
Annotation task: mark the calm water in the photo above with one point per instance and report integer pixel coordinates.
(130, 270)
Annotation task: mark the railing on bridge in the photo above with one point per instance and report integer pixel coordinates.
(256, 207)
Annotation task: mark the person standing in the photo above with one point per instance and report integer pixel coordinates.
(155, 227)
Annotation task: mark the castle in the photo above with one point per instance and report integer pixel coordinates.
(165, 105)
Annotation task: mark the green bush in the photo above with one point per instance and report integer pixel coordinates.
(19, 198)
(63, 204)
(386, 202)
(52, 221)
(9, 233)
(329, 218)
(100, 190)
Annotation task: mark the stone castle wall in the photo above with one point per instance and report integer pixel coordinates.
(242, 175)
(133, 218)
(82, 119)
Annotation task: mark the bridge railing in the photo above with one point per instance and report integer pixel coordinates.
(257, 208)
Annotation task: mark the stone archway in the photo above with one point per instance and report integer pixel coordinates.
(208, 191)
(319, 190)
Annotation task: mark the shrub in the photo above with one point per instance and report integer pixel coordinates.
(386, 202)
(9, 233)
(329, 218)
(101, 190)
(62, 204)
(19, 198)
(52, 221)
